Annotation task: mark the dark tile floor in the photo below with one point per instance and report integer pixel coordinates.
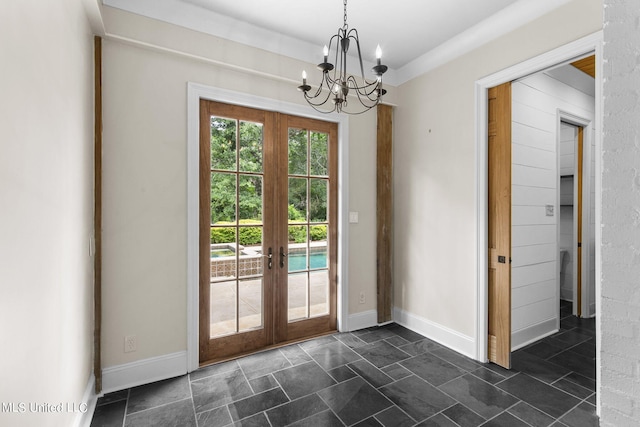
(387, 376)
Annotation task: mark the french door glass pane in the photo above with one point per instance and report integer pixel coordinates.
(319, 294)
(250, 304)
(318, 256)
(297, 151)
(250, 251)
(250, 198)
(298, 260)
(223, 253)
(298, 200)
(319, 159)
(223, 197)
(318, 200)
(251, 135)
(223, 308)
(223, 144)
(298, 302)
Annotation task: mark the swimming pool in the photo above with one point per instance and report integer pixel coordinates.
(217, 253)
(298, 262)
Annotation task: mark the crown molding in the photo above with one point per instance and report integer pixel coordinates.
(501, 23)
(192, 16)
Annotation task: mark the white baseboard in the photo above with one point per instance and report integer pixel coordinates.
(89, 398)
(526, 336)
(363, 320)
(441, 334)
(121, 377)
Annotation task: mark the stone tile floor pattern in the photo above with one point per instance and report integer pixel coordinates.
(386, 376)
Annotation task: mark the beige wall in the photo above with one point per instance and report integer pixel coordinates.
(46, 198)
(435, 169)
(434, 202)
(145, 187)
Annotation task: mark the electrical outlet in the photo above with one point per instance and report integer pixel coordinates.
(361, 299)
(130, 343)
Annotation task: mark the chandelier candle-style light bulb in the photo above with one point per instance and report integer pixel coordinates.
(339, 91)
(304, 87)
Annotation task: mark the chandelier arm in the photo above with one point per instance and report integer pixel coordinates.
(353, 30)
(375, 90)
(365, 95)
(368, 106)
(315, 107)
(318, 103)
(319, 92)
(364, 90)
(336, 38)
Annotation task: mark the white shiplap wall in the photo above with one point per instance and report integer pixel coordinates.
(536, 101)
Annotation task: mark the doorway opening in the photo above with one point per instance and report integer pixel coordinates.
(577, 230)
(197, 92)
(554, 59)
(268, 229)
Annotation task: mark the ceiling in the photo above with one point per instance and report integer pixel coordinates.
(415, 35)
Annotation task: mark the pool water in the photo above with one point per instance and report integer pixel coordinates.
(216, 253)
(298, 262)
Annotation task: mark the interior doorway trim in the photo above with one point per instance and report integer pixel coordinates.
(195, 92)
(577, 120)
(563, 54)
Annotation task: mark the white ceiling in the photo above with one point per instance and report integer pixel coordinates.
(415, 35)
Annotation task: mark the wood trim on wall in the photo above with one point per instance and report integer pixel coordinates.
(97, 215)
(384, 203)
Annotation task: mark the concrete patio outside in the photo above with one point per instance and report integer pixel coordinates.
(249, 295)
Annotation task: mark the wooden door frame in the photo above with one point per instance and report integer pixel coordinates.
(195, 92)
(582, 47)
(575, 119)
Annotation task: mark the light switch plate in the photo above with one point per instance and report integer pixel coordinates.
(549, 210)
(353, 217)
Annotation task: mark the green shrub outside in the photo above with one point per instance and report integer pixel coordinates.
(297, 234)
(248, 235)
(253, 235)
(318, 232)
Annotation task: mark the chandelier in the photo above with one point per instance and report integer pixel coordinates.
(336, 84)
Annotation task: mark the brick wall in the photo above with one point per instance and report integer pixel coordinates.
(620, 304)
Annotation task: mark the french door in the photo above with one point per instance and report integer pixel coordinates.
(268, 229)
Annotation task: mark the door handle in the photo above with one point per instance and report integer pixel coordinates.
(282, 256)
(270, 258)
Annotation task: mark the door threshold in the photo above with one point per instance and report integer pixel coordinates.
(267, 348)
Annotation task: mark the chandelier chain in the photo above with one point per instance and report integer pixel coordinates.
(345, 26)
